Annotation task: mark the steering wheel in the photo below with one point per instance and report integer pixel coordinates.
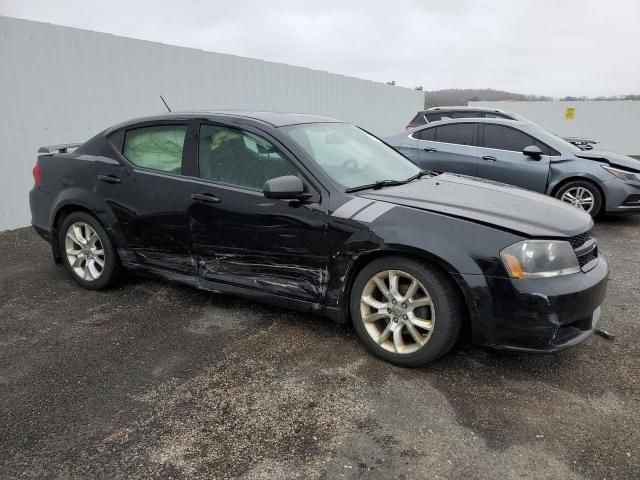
(350, 161)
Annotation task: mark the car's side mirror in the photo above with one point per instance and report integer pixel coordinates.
(533, 152)
(288, 187)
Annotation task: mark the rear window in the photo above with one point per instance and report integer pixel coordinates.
(433, 117)
(418, 120)
(157, 147)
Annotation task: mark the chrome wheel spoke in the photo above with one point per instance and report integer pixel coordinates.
(374, 317)
(417, 336)
(418, 322)
(398, 343)
(372, 302)
(385, 334)
(394, 278)
(382, 286)
(419, 302)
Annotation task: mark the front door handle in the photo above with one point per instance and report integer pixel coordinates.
(489, 157)
(109, 179)
(429, 149)
(205, 197)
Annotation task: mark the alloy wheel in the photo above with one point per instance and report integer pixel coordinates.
(85, 252)
(397, 311)
(579, 197)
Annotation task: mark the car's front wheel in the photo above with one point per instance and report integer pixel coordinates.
(406, 312)
(87, 251)
(583, 195)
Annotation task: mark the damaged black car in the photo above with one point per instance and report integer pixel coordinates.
(318, 215)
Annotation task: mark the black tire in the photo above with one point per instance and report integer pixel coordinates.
(590, 187)
(111, 270)
(446, 301)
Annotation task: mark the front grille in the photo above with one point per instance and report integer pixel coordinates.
(587, 253)
(578, 240)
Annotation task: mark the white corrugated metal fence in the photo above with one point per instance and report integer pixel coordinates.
(60, 84)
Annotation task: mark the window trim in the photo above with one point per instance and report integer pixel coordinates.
(313, 188)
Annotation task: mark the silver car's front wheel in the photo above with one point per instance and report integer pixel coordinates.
(84, 251)
(579, 197)
(397, 311)
(582, 194)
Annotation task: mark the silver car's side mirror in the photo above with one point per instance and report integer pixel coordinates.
(533, 152)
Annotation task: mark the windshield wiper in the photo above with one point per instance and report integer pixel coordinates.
(376, 185)
(418, 175)
(388, 183)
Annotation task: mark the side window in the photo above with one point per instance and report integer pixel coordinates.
(459, 133)
(239, 158)
(465, 114)
(426, 134)
(156, 147)
(505, 138)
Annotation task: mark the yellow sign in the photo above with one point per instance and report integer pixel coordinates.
(570, 113)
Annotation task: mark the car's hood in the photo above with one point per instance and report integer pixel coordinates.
(615, 159)
(484, 201)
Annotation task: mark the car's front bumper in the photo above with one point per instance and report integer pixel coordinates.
(621, 196)
(538, 315)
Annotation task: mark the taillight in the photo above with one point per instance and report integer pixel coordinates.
(409, 127)
(37, 174)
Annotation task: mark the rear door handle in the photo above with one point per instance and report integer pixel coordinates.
(489, 157)
(109, 179)
(429, 149)
(205, 197)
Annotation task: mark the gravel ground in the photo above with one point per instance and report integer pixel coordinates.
(161, 381)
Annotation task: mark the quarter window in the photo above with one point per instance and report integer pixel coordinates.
(505, 138)
(236, 157)
(426, 134)
(459, 134)
(158, 147)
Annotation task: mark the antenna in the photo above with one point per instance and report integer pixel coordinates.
(165, 104)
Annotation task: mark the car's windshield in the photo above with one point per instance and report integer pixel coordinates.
(349, 155)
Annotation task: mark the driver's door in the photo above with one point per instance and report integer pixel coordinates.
(241, 238)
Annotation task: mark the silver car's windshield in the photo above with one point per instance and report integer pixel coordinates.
(349, 155)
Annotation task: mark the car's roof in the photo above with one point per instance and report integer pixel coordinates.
(464, 109)
(275, 119)
(499, 121)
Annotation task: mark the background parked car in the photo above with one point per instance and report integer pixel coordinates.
(521, 154)
(436, 114)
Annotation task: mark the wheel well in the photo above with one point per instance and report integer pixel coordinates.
(363, 260)
(562, 183)
(61, 214)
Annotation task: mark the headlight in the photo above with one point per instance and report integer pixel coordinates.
(623, 174)
(540, 259)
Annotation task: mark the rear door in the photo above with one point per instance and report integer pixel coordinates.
(502, 160)
(242, 238)
(149, 194)
(448, 148)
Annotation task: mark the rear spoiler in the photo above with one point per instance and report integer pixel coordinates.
(61, 148)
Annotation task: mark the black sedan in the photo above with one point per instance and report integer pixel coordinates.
(318, 215)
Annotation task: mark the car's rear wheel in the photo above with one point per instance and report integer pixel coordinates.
(87, 251)
(405, 311)
(583, 195)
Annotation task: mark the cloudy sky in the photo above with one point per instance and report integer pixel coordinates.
(544, 47)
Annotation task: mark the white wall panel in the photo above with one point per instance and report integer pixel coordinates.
(60, 84)
(615, 124)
